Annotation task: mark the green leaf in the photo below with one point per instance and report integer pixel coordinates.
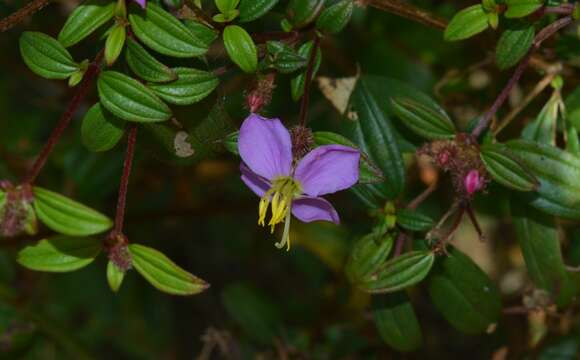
(372, 131)
(46, 57)
(396, 321)
(163, 273)
(513, 45)
(540, 243)
(367, 256)
(543, 129)
(424, 119)
(413, 220)
(202, 32)
(466, 23)
(557, 172)
(191, 86)
(335, 18)
(241, 48)
(573, 108)
(303, 12)
(368, 170)
(399, 273)
(145, 65)
(67, 216)
(115, 276)
(464, 294)
(60, 254)
(521, 8)
(101, 130)
(130, 100)
(251, 10)
(506, 169)
(298, 83)
(253, 311)
(288, 61)
(163, 33)
(226, 6)
(84, 20)
(114, 44)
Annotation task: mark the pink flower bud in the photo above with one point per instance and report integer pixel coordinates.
(473, 182)
(255, 101)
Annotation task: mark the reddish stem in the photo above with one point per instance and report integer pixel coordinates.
(122, 199)
(90, 75)
(29, 9)
(308, 80)
(542, 35)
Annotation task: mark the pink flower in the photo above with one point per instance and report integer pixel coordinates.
(473, 182)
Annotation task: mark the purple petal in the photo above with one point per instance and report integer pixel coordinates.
(328, 169)
(255, 182)
(265, 146)
(142, 3)
(308, 209)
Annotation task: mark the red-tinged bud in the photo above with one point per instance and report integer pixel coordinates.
(118, 251)
(261, 95)
(473, 182)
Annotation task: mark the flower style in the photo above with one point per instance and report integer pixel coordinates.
(288, 185)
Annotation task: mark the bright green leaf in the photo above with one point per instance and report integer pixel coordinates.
(506, 169)
(145, 65)
(251, 10)
(46, 57)
(60, 254)
(84, 20)
(466, 23)
(101, 130)
(513, 45)
(241, 48)
(424, 119)
(521, 8)
(115, 276)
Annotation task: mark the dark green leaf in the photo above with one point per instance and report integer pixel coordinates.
(251, 10)
(191, 86)
(396, 321)
(163, 273)
(241, 48)
(163, 33)
(540, 243)
(543, 128)
(466, 23)
(513, 45)
(297, 84)
(367, 256)
(101, 130)
(464, 294)
(399, 273)
(413, 220)
(368, 170)
(334, 18)
(67, 216)
(60, 254)
(84, 20)
(424, 119)
(46, 57)
(130, 100)
(202, 32)
(303, 12)
(558, 173)
(506, 169)
(521, 8)
(146, 66)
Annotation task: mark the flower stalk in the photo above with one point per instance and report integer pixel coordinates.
(308, 80)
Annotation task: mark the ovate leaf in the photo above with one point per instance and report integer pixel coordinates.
(163, 33)
(422, 118)
(251, 10)
(201, 31)
(84, 20)
(67, 216)
(145, 65)
(513, 45)
(191, 86)
(241, 48)
(60, 254)
(396, 321)
(114, 44)
(334, 18)
(163, 273)
(521, 8)
(466, 23)
(506, 169)
(399, 273)
(130, 100)
(367, 256)
(413, 220)
(464, 294)
(46, 57)
(101, 130)
(303, 12)
(115, 276)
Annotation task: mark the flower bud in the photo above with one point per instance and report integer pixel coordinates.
(473, 182)
(118, 251)
(17, 215)
(261, 94)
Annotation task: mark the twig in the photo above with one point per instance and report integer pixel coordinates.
(422, 196)
(122, 199)
(308, 81)
(542, 35)
(29, 9)
(200, 14)
(65, 119)
(407, 11)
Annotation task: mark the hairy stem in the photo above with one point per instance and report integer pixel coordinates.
(308, 80)
(90, 75)
(17, 17)
(422, 196)
(128, 164)
(408, 11)
(502, 97)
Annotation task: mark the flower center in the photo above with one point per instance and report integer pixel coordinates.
(284, 189)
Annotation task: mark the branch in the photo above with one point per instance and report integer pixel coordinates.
(308, 80)
(542, 35)
(29, 9)
(408, 11)
(122, 199)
